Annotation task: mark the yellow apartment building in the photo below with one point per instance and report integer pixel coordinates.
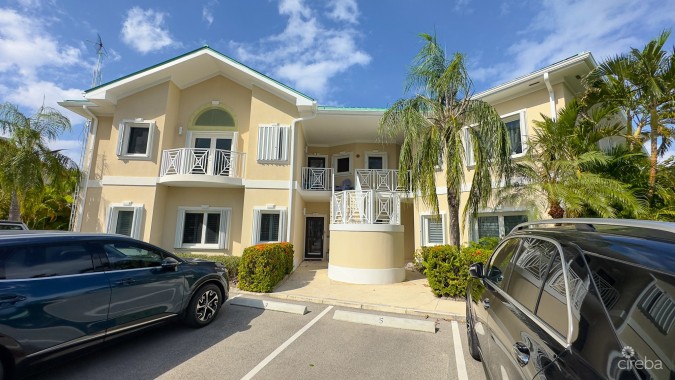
(203, 154)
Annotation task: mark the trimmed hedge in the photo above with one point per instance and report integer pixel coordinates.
(447, 268)
(230, 262)
(262, 266)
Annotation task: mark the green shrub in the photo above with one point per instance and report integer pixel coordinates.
(489, 243)
(262, 266)
(230, 262)
(447, 268)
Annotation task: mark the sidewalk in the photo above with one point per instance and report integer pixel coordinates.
(310, 283)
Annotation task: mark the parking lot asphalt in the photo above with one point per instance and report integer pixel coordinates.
(251, 343)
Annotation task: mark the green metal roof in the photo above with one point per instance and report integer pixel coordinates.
(205, 47)
(330, 108)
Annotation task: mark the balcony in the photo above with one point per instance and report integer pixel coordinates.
(197, 167)
(378, 179)
(366, 207)
(317, 184)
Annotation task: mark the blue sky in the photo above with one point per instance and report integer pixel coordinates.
(341, 52)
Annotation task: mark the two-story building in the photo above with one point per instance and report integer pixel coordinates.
(203, 154)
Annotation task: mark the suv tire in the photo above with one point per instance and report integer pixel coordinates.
(474, 351)
(204, 306)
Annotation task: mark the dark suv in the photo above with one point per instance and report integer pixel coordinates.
(576, 299)
(61, 292)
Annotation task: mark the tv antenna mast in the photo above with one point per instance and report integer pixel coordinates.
(100, 53)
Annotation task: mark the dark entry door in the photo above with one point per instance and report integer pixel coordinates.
(314, 237)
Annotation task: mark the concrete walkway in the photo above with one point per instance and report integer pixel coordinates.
(310, 283)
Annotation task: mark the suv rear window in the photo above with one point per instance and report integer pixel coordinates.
(44, 260)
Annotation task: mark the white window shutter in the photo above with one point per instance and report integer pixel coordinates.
(256, 227)
(180, 221)
(523, 132)
(282, 225)
(224, 224)
(283, 143)
(138, 221)
(273, 142)
(468, 148)
(120, 139)
(108, 220)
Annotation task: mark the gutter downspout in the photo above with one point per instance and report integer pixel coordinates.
(551, 96)
(90, 150)
(289, 212)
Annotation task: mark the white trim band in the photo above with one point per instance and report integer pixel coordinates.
(366, 276)
(368, 227)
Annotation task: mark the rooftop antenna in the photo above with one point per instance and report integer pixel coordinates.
(100, 53)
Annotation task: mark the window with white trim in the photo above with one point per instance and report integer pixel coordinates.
(497, 225)
(516, 129)
(515, 126)
(376, 160)
(269, 225)
(135, 139)
(433, 230)
(125, 219)
(273, 143)
(343, 163)
(205, 227)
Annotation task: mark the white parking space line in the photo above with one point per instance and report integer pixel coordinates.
(284, 345)
(459, 353)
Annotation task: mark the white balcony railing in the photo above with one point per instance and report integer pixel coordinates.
(378, 179)
(317, 179)
(366, 207)
(211, 162)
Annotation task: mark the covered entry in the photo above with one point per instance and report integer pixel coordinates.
(314, 237)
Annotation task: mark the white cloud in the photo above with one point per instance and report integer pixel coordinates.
(207, 11)
(564, 28)
(25, 45)
(344, 10)
(306, 53)
(31, 94)
(145, 30)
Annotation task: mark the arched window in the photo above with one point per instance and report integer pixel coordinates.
(215, 117)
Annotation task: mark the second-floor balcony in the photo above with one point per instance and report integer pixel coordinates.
(366, 207)
(202, 167)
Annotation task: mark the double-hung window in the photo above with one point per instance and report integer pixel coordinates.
(135, 139)
(269, 225)
(497, 225)
(205, 227)
(433, 230)
(125, 219)
(515, 126)
(516, 129)
(273, 143)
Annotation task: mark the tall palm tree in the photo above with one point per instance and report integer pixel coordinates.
(556, 177)
(433, 124)
(27, 164)
(642, 84)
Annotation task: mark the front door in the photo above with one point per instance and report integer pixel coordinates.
(212, 155)
(314, 237)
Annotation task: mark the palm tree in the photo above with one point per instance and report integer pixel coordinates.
(556, 177)
(642, 84)
(28, 165)
(433, 124)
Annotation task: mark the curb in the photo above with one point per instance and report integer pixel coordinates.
(385, 321)
(358, 305)
(269, 305)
